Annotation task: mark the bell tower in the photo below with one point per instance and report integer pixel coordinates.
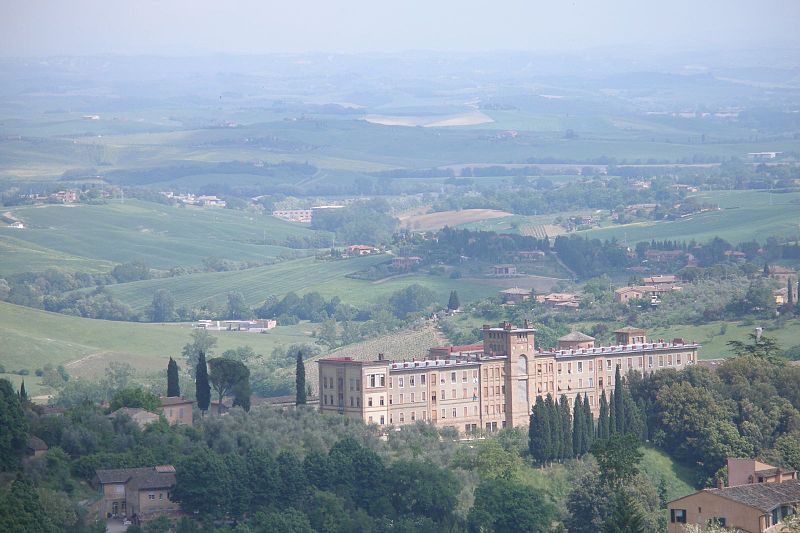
(517, 346)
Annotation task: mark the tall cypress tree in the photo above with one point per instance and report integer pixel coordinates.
(453, 303)
(23, 394)
(603, 421)
(578, 429)
(540, 433)
(566, 428)
(556, 439)
(790, 295)
(202, 387)
(588, 423)
(173, 383)
(612, 414)
(619, 400)
(300, 379)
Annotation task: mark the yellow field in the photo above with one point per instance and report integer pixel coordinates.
(434, 221)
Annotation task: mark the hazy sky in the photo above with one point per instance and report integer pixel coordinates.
(80, 27)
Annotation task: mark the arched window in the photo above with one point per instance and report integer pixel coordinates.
(523, 365)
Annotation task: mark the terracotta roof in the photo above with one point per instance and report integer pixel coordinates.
(140, 478)
(174, 400)
(576, 336)
(629, 329)
(36, 444)
(762, 496)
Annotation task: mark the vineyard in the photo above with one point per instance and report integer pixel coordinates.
(540, 231)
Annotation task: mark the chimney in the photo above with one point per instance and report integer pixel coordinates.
(720, 484)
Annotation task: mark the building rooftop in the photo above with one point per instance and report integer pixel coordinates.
(174, 400)
(576, 336)
(131, 412)
(630, 329)
(762, 496)
(620, 349)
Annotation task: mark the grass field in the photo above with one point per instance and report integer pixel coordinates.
(440, 219)
(30, 338)
(160, 235)
(744, 215)
(713, 341)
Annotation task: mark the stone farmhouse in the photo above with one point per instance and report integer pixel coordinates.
(139, 494)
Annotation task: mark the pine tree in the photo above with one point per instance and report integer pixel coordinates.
(202, 387)
(588, 422)
(619, 400)
(453, 304)
(790, 295)
(23, 394)
(603, 421)
(556, 435)
(578, 428)
(626, 516)
(173, 383)
(566, 428)
(300, 379)
(612, 414)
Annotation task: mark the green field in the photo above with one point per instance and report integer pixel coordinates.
(744, 216)
(162, 236)
(300, 276)
(30, 338)
(714, 342)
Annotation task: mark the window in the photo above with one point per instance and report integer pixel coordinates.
(465, 412)
(443, 395)
(410, 381)
(523, 365)
(391, 399)
(391, 382)
(580, 367)
(424, 415)
(776, 515)
(453, 394)
(382, 420)
(591, 382)
(372, 380)
(400, 382)
(402, 417)
(452, 377)
(559, 368)
(591, 366)
(720, 520)
(422, 379)
(497, 390)
(677, 516)
(464, 393)
(369, 401)
(369, 420)
(160, 495)
(443, 411)
(660, 360)
(151, 496)
(381, 403)
(464, 376)
(608, 364)
(412, 397)
(413, 415)
(358, 384)
(401, 397)
(383, 380)
(352, 402)
(485, 392)
(455, 414)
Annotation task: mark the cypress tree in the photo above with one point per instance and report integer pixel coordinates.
(588, 423)
(619, 400)
(603, 421)
(453, 304)
(566, 428)
(556, 439)
(300, 379)
(612, 414)
(541, 435)
(173, 385)
(23, 394)
(790, 295)
(202, 387)
(578, 429)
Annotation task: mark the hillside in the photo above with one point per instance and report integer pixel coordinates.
(162, 236)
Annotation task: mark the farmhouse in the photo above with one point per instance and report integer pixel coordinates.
(142, 417)
(36, 446)
(177, 410)
(293, 215)
(625, 294)
(137, 493)
(493, 385)
(504, 270)
(559, 300)
(361, 249)
(661, 279)
(515, 295)
(757, 499)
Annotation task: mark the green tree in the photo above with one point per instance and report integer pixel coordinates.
(201, 385)
(135, 397)
(588, 424)
(556, 435)
(760, 346)
(202, 342)
(241, 394)
(453, 303)
(422, 489)
(539, 432)
(612, 414)
(13, 428)
(162, 309)
(23, 394)
(287, 520)
(567, 445)
(603, 420)
(493, 460)
(507, 505)
(237, 309)
(21, 509)
(203, 484)
(225, 374)
(790, 292)
(300, 380)
(619, 403)
(618, 458)
(413, 299)
(579, 429)
(626, 516)
(173, 381)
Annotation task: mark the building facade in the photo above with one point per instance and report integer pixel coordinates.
(137, 493)
(492, 388)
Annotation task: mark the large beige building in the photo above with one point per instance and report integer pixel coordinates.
(492, 388)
